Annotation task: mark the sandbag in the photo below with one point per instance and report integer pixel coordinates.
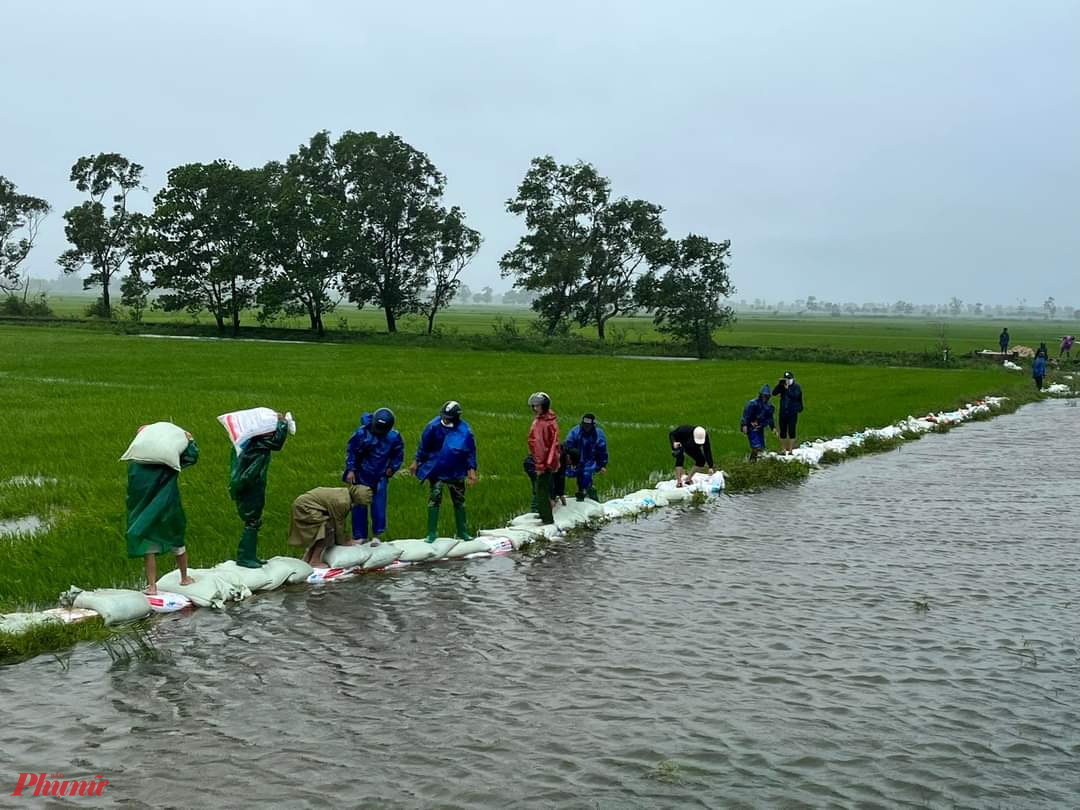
(19, 623)
(528, 520)
(115, 606)
(480, 545)
(518, 537)
(165, 602)
(251, 579)
(497, 546)
(676, 495)
(381, 556)
(647, 498)
(414, 550)
(159, 443)
(282, 570)
(246, 424)
(443, 546)
(208, 589)
(347, 556)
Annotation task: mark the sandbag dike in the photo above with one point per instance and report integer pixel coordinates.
(228, 582)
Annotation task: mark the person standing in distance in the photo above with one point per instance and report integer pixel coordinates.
(546, 452)
(791, 405)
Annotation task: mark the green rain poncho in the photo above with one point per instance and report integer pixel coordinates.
(247, 482)
(155, 517)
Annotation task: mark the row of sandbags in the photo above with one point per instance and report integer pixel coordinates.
(812, 452)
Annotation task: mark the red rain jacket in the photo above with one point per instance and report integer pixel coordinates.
(544, 442)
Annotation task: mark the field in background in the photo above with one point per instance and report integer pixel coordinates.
(879, 334)
(72, 399)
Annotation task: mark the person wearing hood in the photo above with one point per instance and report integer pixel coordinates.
(1003, 340)
(1066, 347)
(446, 459)
(1042, 351)
(545, 451)
(1038, 370)
(688, 440)
(756, 416)
(589, 442)
(247, 487)
(374, 453)
(791, 405)
(317, 521)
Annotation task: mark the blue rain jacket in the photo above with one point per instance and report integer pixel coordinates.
(369, 455)
(445, 453)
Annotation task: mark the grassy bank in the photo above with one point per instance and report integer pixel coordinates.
(72, 400)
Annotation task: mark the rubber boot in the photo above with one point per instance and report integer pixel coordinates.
(245, 553)
(592, 494)
(432, 523)
(460, 523)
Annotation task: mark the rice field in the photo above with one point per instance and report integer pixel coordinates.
(72, 399)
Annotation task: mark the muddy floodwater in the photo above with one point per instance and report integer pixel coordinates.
(900, 630)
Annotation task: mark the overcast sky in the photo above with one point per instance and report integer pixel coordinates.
(857, 151)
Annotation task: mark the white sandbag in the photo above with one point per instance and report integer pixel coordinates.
(619, 508)
(676, 494)
(530, 520)
(565, 521)
(1011, 366)
(443, 546)
(646, 498)
(284, 570)
(165, 602)
(251, 579)
(413, 550)
(480, 545)
(19, 623)
(208, 589)
(518, 537)
(114, 605)
(496, 546)
(321, 575)
(159, 443)
(381, 556)
(347, 556)
(244, 425)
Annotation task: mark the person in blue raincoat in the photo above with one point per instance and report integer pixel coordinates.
(446, 458)
(589, 442)
(374, 453)
(1038, 371)
(756, 416)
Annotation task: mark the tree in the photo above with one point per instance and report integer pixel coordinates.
(955, 305)
(484, 296)
(301, 240)
(687, 300)
(104, 241)
(202, 242)
(390, 194)
(464, 294)
(134, 293)
(583, 251)
(456, 246)
(1050, 306)
(19, 214)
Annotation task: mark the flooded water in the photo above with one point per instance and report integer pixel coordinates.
(901, 630)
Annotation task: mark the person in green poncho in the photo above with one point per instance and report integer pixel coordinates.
(247, 487)
(155, 517)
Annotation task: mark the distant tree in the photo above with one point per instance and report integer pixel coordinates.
(134, 292)
(811, 303)
(202, 244)
(1050, 306)
(301, 241)
(100, 239)
(956, 306)
(464, 294)
(20, 218)
(455, 247)
(902, 307)
(687, 300)
(583, 251)
(484, 296)
(978, 309)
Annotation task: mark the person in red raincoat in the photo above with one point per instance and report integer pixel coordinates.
(545, 450)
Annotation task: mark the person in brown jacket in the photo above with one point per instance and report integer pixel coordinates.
(545, 450)
(318, 519)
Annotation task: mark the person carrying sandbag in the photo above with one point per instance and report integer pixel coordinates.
(446, 458)
(546, 452)
(374, 453)
(156, 523)
(318, 519)
(247, 487)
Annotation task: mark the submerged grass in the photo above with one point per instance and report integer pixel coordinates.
(72, 400)
(46, 638)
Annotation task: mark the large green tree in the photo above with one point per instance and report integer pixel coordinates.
(687, 299)
(20, 218)
(391, 197)
(583, 250)
(455, 247)
(99, 238)
(201, 243)
(302, 237)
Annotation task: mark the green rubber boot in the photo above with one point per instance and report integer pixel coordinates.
(592, 494)
(245, 553)
(460, 523)
(432, 523)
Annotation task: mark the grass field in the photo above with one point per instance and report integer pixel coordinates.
(880, 334)
(72, 399)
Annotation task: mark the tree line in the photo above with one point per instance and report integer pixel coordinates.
(362, 218)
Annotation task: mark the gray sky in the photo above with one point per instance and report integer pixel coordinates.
(850, 150)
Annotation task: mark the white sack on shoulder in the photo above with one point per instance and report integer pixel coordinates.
(159, 443)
